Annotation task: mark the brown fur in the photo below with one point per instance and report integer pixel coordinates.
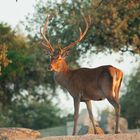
(86, 84)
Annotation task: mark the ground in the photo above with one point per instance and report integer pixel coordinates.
(28, 134)
(125, 136)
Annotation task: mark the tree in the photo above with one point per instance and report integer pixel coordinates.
(4, 61)
(26, 111)
(25, 71)
(26, 88)
(115, 28)
(35, 115)
(130, 101)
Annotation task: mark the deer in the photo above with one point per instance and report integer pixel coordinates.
(84, 84)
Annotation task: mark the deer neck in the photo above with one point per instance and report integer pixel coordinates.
(64, 68)
(62, 76)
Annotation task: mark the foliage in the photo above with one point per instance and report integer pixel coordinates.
(4, 61)
(34, 115)
(27, 70)
(26, 87)
(116, 24)
(130, 102)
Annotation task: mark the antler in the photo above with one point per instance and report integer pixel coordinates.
(45, 42)
(88, 23)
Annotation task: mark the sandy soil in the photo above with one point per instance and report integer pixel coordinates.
(126, 136)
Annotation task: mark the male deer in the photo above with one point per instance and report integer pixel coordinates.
(84, 84)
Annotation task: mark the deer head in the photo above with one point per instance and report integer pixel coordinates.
(58, 55)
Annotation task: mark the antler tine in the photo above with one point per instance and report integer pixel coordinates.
(45, 42)
(82, 34)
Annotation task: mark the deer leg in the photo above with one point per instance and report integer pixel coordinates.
(116, 105)
(89, 108)
(76, 112)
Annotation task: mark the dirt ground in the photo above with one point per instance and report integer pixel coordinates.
(125, 136)
(28, 134)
